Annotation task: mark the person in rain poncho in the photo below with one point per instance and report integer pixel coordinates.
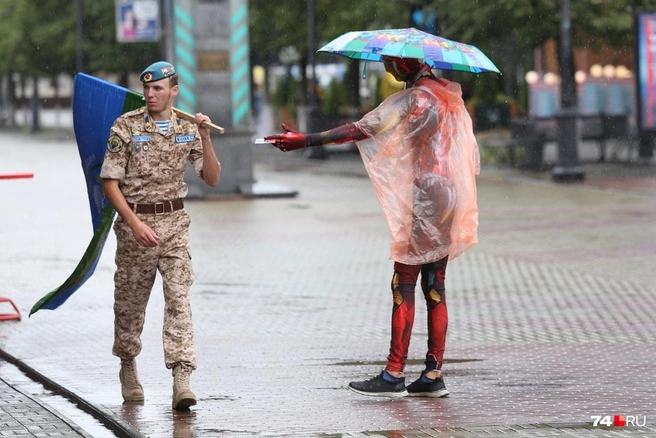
(420, 152)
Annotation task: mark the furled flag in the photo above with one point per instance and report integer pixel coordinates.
(96, 104)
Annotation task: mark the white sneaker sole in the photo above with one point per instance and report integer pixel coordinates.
(381, 394)
(433, 394)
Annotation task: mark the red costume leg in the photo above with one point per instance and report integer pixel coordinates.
(432, 284)
(403, 314)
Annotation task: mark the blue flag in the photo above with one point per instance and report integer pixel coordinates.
(96, 104)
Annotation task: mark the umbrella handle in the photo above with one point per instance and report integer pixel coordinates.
(191, 118)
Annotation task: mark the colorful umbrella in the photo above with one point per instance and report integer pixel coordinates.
(440, 53)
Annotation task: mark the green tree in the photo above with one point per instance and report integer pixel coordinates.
(275, 25)
(532, 22)
(508, 30)
(334, 99)
(37, 40)
(42, 41)
(101, 50)
(335, 17)
(10, 36)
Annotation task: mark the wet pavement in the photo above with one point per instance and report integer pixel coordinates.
(24, 415)
(551, 315)
(28, 409)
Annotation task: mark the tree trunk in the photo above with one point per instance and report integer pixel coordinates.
(13, 103)
(123, 79)
(24, 103)
(55, 85)
(304, 88)
(353, 85)
(3, 99)
(35, 105)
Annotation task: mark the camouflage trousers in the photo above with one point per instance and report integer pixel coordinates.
(136, 268)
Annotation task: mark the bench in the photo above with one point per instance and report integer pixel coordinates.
(606, 129)
(533, 133)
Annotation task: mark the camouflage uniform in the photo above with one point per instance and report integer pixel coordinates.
(150, 168)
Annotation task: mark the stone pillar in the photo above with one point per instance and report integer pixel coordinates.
(211, 55)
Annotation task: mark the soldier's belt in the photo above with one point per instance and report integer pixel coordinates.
(158, 207)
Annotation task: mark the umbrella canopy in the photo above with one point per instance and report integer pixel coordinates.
(440, 53)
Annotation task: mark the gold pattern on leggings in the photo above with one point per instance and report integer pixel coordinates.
(398, 299)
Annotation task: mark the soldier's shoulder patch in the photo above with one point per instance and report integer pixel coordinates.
(114, 144)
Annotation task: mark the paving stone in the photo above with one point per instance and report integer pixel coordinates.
(26, 416)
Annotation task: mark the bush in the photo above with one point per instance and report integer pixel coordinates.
(334, 98)
(284, 95)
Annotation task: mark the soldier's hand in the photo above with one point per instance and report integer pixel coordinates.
(144, 235)
(199, 118)
(290, 141)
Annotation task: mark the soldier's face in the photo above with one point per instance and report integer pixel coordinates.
(159, 95)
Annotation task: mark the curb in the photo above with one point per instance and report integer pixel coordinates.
(77, 429)
(121, 428)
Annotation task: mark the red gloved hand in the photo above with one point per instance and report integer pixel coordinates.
(290, 141)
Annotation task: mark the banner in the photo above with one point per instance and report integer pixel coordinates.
(646, 70)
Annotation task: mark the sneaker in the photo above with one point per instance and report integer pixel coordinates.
(381, 387)
(425, 387)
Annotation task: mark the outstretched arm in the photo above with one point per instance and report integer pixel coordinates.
(292, 140)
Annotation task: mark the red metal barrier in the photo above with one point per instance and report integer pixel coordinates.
(8, 316)
(17, 315)
(14, 175)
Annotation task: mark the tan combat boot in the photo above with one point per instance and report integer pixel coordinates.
(130, 386)
(182, 395)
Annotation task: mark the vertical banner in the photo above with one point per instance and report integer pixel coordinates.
(646, 69)
(137, 21)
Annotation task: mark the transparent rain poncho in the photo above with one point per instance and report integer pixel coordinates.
(422, 158)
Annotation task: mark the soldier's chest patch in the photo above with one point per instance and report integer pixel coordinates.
(140, 142)
(184, 138)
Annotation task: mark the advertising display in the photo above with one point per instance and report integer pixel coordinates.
(137, 21)
(646, 70)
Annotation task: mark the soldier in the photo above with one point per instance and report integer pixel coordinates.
(421, 155)
(143, 171)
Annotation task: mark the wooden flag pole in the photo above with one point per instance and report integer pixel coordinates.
(191, 117)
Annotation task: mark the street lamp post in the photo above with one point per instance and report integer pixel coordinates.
(568, 167)
(167, 47)
(314, 112)
(79, 57)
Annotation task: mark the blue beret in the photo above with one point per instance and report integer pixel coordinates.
(157, 72)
